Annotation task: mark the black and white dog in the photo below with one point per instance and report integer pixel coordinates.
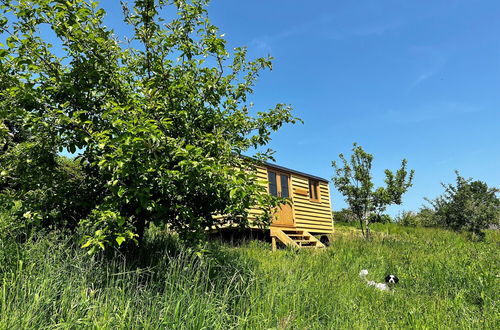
(390, 281)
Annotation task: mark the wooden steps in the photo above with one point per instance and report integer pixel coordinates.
(295, 238)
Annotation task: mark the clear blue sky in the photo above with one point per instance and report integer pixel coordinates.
(405, 79)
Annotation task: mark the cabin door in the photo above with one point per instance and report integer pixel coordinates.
(279, 185)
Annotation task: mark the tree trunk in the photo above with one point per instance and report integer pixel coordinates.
(141, 227)
(361, 226)
(142, 217)
(366, 220)
(367, 226)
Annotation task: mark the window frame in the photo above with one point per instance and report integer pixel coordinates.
(278, 182)
(314, 184)
(275, 183)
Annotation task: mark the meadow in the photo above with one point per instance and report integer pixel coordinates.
(446, 281)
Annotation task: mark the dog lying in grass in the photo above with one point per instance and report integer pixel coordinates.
(390, 281)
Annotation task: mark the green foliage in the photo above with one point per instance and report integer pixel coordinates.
(162, 121)
(354, 180)
(467, 205)
(446, 281)
(344, 215)
(39, 189)
(106, 225)
(16, 224)
(348, 216)
(380, 218)
(425, 217)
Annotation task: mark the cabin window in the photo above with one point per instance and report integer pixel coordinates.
(284, 186)
(314, 193)
(273, 187)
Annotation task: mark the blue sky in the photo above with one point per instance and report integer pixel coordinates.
(405, 79)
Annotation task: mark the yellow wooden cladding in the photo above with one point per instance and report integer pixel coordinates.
(313, 216)
(302, 192)
(308, 215)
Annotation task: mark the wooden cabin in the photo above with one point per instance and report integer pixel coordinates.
(307, 221)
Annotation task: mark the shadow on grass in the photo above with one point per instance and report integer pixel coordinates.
(163, 261)
(53, 280)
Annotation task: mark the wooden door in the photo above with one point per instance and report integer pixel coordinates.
(279, 185)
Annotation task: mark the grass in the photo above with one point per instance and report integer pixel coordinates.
(446, 281)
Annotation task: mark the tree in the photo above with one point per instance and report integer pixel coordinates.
(354, 181)
(162, 118)
(467, 205)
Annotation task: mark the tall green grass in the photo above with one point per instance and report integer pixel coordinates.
(446, 281)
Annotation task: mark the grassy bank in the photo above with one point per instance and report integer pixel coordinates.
(446, 282)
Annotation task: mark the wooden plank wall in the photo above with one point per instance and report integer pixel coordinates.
(254, 211)
(310, 215)
(262, 178)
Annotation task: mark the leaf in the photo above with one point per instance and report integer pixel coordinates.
(120, 240)
(87, 244)
(233, 193)
(156, 136)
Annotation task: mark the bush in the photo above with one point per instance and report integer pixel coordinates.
(42, 189)
(380, 218)
(15, 224)
(469, 205)
(423, 218)
(347, 216)
(344, 215)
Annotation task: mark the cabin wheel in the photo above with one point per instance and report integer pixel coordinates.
(325, 240)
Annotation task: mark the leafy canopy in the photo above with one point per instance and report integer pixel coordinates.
(161, 118)
(468, 205)
(354, 180)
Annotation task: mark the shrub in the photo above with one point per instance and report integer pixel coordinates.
(40, 188)
(344, 215)
(380, 218)
(15, 223)
(425, 217)
(468, 205)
